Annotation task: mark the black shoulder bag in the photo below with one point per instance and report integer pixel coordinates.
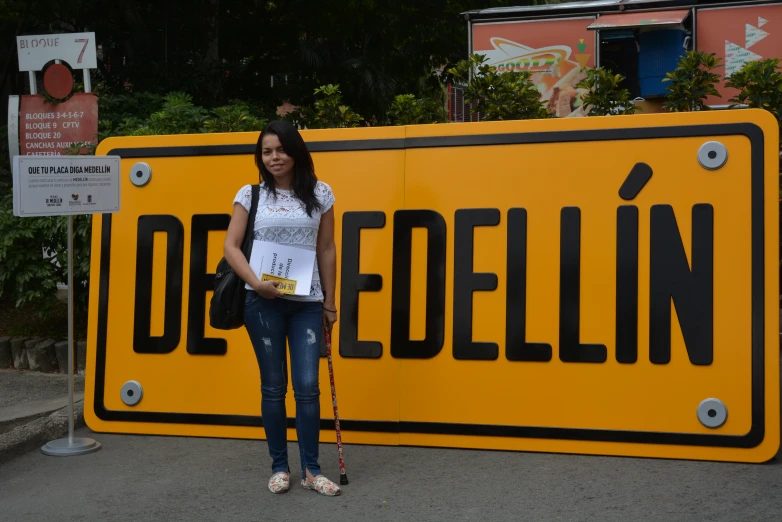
(226, 308)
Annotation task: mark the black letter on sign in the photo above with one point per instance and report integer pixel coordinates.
(353, 282)
(200, 283)
(627, 284)
(143, 342)
(516, 346)
(692, 291)
(404, 223)
(570, 347)
(465, 282)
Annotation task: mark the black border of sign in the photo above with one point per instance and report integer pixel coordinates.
(751, 439)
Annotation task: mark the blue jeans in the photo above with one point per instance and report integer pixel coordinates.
(269, 322)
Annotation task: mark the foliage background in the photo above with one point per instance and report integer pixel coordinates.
(220, 50)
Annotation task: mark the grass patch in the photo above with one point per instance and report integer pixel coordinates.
(26, 321)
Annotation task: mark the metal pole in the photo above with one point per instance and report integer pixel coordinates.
(70, 446)
(70, 329)
(87, 81)
(33, 84)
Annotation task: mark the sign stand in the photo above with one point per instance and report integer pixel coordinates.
(44, 187)
(67, 186)
(72, 445)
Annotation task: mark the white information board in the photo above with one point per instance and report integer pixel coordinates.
(66, 185)
(77, 49)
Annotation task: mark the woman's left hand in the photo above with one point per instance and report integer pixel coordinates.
(329, 318)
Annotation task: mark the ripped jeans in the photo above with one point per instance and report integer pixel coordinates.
(269, 322)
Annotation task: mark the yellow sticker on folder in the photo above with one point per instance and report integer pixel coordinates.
(286, 286)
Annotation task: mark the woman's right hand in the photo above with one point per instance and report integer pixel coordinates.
(267, 289)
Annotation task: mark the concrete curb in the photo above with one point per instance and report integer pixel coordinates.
(41, 354)
(6, 358)
(38, 432)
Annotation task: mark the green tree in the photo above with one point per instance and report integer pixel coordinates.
(499, 96)
(692, 82)
(376, 49)
(604, 96)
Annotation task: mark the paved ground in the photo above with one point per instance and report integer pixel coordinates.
(139, 478)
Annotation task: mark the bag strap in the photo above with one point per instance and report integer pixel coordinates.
(247, 244)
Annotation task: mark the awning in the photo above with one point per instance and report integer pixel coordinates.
(627, 20)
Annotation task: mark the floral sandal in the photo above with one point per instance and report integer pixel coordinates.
(279, 482)
(322, 485)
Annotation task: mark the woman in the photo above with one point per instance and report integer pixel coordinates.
(294, 208)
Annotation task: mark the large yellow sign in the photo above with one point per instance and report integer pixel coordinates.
(597, 285)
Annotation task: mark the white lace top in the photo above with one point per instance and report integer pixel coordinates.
(283, 220)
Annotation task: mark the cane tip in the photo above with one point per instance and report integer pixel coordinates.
(343, 479)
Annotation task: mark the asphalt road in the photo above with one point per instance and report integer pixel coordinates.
(140, 478)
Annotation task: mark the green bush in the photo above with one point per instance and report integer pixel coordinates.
(760, 87)
(499, 96)
(692, 82)
(328, 112)
(406, 109)
(116, 111)
(236, 117)
(33, 257)
(177, 116)
(33, 254)
(604, 97)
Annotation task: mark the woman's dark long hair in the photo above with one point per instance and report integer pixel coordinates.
(304, 179)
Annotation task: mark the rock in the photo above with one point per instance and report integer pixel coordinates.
(29, 345)
(17, 353)
(6, 359)
(61, 350)
(81, 357)
(42, 357)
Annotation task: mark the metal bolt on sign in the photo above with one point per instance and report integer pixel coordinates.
(140, 174)
(712, 155)
(131, 393)
(712, 413)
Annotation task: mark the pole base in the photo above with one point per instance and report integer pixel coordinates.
(66, 448)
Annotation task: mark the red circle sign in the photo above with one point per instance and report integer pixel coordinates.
(58, 81)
